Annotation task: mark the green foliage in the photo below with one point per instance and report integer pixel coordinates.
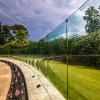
(12, 38)
(89, 44)
(92, 18)
(20, 32)
(5, 35)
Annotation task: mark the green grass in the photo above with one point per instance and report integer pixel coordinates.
(83, 83)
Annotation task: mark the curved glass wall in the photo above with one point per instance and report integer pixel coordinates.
(73, 54)
(57, 59)
(67, 60)
(84, 52)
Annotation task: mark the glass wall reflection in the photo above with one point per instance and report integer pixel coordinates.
(57, 59)
(67, 60)
(73, 54)
(84, 52)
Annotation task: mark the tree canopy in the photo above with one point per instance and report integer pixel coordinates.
(92, 18)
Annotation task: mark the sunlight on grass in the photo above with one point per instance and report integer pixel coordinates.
(83, 82)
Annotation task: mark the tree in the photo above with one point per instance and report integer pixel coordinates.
(92, 17)
(20, 35)
(41, 46)
(7, 33)
(20, 32)
(13, 38)
(1, 35)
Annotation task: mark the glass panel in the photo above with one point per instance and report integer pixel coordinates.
(73, 54)
(41, 63)
(84, 52)
(67, 60)
(56, 51)
(84, 30)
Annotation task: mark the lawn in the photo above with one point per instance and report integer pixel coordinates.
(83, 83)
